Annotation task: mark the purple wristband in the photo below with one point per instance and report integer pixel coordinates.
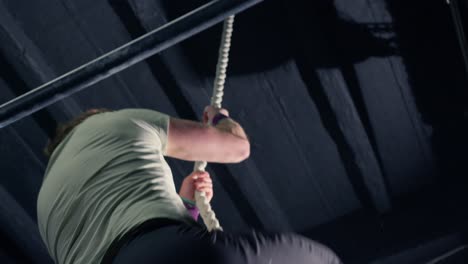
(217, 118)
(192, 210)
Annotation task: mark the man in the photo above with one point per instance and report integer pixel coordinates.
(108, 194)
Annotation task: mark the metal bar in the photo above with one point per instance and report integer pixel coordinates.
(121, 58)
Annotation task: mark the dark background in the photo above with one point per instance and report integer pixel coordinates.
(356, 111)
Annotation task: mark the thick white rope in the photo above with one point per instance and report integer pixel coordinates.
(207, 214)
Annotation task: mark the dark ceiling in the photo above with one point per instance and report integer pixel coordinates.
(356, 111)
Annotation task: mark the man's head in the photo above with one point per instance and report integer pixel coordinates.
(63, 129)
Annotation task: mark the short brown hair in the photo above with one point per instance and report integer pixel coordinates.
(63, 129)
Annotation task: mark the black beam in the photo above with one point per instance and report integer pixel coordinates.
(18, 227)
(121, 58)
(461, 33)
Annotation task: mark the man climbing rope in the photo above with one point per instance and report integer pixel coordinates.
(108, 195)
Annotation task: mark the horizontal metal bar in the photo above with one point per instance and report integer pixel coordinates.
(121, 58)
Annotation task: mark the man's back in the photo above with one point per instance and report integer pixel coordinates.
(107, 176)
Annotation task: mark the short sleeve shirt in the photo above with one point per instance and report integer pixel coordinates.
(106, 177)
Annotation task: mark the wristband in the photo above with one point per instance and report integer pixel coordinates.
(189, 203)
(217, 118)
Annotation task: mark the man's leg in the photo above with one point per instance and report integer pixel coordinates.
(270, 248)
(184, 244)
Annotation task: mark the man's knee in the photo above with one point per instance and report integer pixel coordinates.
(266, 247)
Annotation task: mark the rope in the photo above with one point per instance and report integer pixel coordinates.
(207, 214)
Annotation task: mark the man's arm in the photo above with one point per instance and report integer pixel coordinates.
(194, 141)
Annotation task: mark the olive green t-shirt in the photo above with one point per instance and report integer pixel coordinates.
(107, 176)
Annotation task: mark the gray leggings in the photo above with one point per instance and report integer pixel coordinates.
(181, 243)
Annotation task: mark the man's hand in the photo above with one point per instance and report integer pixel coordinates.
(197, 181)
(211, 111)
